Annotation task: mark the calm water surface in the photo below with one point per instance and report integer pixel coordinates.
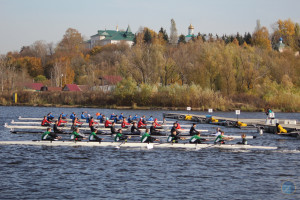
(37, 172)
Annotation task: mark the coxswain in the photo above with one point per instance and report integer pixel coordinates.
(76, 136)
(120, 137)
(72, 116)
(50, 136)
(55, 128)
(134, 129)
(147, 138)
(244, 140)
(45, 122)
(94, 138)
(196, 139)
(174, 137)
(193, 130)
(220, 139)
(124, 123)
(141, 124)
(92, 124)
(60, 121)
(107, 123)
(153, 130)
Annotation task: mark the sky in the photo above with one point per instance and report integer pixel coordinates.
(22, 22)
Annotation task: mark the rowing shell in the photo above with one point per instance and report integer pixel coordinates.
(135, 144)
(81, 128)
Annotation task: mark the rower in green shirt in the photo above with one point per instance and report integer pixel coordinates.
(221, 138)
(147, 138)
(94, 138)
(76, 136)
(120, 137)
(196, 139)
(50, 136)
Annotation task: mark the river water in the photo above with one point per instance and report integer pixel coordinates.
(38, 172)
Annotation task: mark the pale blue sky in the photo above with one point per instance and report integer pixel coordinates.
(22, 22)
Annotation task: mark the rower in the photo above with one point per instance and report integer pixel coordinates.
(94, 138)
(124, 123)
(221, 138)
(100, 118)
(193, 130)
(64, 116)
(156, 124)
(141, 124)
(45, 122)
(218, 132)
(135, 118)
(129, 120)
(50, 117)
(55, 129)
(60, 121)
(150, 119)
(107, 123)
(113, 128)
(50, 136)
(119, 136)
(147, 138)
(134, 129)
(178, 125)
(76, 136)
(196, 139)
(244, 140)
(120, 117)
(72, 116)
(174, 137)
(174, 128)
(144, 119)
(164, 121)
(92, 123)
(116, 119)
(153, 130)
(112, 116)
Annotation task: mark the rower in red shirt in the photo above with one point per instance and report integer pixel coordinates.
(107, 123)
(76, 121)
(61, 121)
(155, 123)
(92, 123)
(141, 124)
(178, 125)
(124, 123)
(45, 122)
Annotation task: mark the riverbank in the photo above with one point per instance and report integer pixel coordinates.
(138, 101)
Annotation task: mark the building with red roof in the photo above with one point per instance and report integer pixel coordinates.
(71, 87)
(34, 86)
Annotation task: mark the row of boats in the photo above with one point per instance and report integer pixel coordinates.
(34, 124)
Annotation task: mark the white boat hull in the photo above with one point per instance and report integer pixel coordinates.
(135, 144)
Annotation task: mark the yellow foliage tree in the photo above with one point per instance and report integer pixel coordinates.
(261, 39)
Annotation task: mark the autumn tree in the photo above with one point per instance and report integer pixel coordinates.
(72, 43)
(260, 37)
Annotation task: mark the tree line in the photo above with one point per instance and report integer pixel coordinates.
(161, 69)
